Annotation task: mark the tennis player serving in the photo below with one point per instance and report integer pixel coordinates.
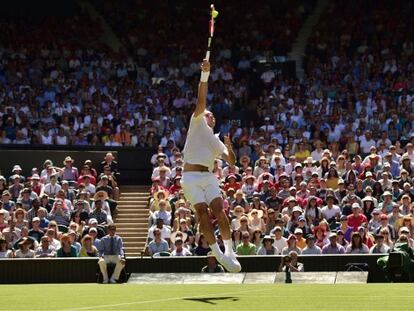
(200, 185)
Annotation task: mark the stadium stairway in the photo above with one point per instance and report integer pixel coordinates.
(132, 219)
(299, 46)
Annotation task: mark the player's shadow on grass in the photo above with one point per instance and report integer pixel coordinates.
(212, 300)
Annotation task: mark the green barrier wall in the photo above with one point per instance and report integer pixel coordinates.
(67, 270)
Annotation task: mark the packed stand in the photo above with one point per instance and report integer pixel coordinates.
(73, 91)
(57, 210)
(169, 31)
(326, 164)
(58, 84)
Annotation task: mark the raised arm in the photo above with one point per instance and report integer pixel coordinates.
(202, 89)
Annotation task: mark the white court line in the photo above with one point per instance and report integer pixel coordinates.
(164, 300)
(336, 297)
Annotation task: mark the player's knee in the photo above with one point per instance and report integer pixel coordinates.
(216, 206)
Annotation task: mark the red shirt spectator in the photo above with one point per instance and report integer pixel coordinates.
(232, 183)
(356, 219)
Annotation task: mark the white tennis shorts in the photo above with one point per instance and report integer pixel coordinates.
(200, 187)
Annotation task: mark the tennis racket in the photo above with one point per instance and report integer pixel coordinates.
(213, 15)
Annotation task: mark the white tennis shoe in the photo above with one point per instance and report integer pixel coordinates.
(230, 262)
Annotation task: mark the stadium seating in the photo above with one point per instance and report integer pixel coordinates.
(343, 132)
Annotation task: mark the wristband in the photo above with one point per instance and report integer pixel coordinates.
(204, 76)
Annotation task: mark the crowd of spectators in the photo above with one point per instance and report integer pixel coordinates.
(326, 163)
(64, 91)
(57, 210)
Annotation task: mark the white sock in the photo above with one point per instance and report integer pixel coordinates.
(228, 246)
(215, 249)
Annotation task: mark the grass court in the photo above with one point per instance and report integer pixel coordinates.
(80, 297)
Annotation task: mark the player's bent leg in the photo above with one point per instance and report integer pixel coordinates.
(229, 260)
(205, 223)
(207, 228)
(216, 207)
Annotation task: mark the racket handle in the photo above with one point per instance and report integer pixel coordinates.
(208, 55)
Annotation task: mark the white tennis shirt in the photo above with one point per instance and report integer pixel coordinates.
(202, 146)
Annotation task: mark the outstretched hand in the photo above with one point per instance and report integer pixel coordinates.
(227, 141)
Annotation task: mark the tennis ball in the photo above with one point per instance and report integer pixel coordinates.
(214, 13)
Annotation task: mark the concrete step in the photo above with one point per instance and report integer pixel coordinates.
(123, 233)
(131, 233)
(133, 248)
(132, 215)
(133, 201)
(127, 189)
(134, 238)
(136, 205)
(132, 208)
(137, 213)
(131, 220)
(135, 195)
(136, 249)
(135, 220)
(131, 226)
(136, 231)
(134, 243)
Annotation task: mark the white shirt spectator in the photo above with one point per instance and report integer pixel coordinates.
(267, 76)
(52, 190)
(328, 213)
(90, 188)
(366, 144)
(165, 232)
(46, 139)
(156, 172)
(61, 140)
(280, 244)
(317, 154)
